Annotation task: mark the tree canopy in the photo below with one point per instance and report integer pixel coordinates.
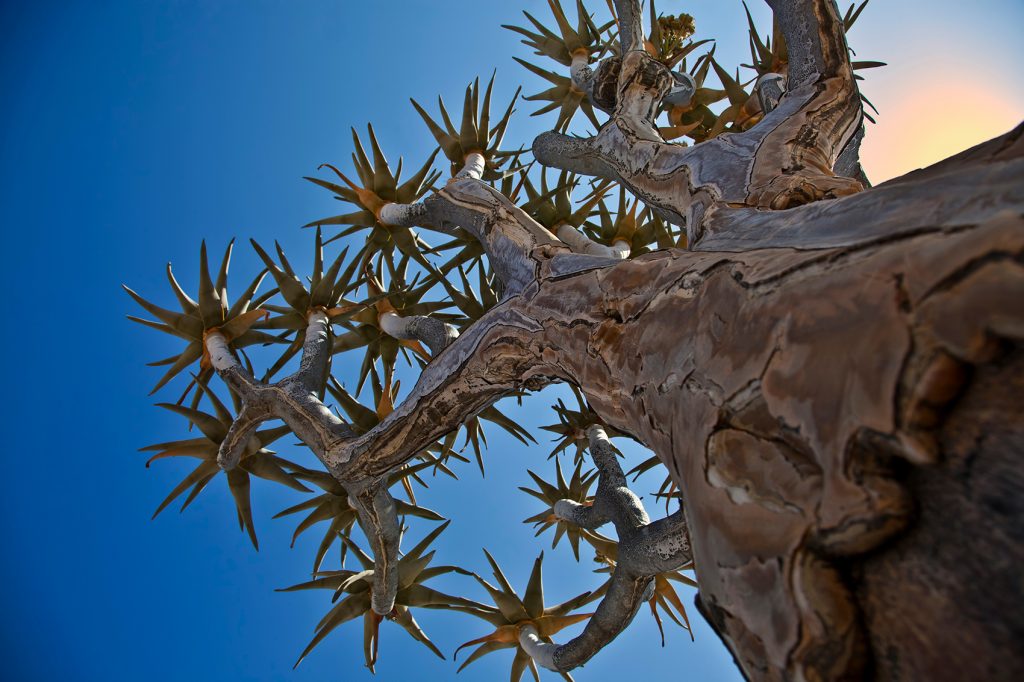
(424, 270)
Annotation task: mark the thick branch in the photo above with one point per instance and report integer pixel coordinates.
(815, 40)
(241, 430)
(658, 547)
(716, 350)
(574, 154)
(626, 593)
(473, 167)
(582, 75)
(316, 355)
(294, 400)
(614, 500)
(581, 243)
(228, 368)
(379, 521)
(848, 162)
(498, 355)
(770, 88)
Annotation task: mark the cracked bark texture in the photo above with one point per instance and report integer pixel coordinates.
(823, 386)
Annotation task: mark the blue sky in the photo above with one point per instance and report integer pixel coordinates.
(129, 131)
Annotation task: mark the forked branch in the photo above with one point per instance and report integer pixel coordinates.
(645, 550)
(295, 401)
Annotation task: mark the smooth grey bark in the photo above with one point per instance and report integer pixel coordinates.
(295, 401)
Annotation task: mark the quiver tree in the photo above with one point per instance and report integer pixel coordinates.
(829, 372)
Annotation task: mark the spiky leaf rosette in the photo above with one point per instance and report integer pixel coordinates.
(355, 587)
(577, 489)
(471, 301)
(668, 490)
(475, 133)
(744, 110)
(563, 95)
(695, 119)
(377, 185)
(768, 55)
(667, 599)
(553, 206)
(325, 291)
(212, 311)
(363, 318)
(475, 437)
(333, 505)
(256, 460)
(644, 231)
(514, 613)
(562, 46)
(572, 425)
(568, 41)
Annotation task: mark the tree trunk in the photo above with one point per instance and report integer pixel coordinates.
(847, 429)
(832, 375)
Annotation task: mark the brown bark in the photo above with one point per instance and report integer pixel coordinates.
(808, 401)
(943, 600)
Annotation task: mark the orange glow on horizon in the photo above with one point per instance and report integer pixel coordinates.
(919, 125)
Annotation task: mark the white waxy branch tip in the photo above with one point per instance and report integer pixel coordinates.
(473, 166)
(541, 652)
(220, 355)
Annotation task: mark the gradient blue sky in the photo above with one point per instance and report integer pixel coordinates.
(131, 130)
